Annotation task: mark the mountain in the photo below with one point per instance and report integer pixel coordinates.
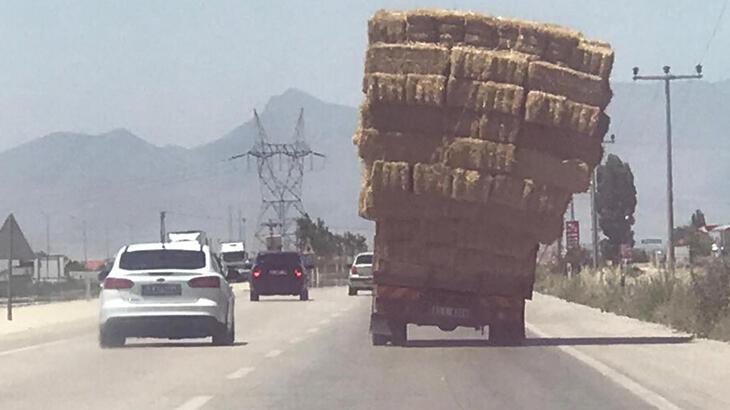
(118, 183)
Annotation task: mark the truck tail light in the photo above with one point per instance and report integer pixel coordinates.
(256, 272)
(117, 283)
(205, 282)
(298, 272)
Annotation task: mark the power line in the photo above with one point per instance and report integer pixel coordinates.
(714, 31)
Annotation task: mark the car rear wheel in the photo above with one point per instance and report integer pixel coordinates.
(351, 291)
(254, 296)
(226, 336)
(379, 340)
(109, 339)
(304, 295)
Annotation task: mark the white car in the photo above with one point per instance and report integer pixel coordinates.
(169, 290)
(361, 273)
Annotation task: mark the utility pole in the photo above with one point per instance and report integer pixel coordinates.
(668, 78)
(10, 274)
(86, 243)
(163, 232)
(242, 221)
(230, 223)
(594, 209)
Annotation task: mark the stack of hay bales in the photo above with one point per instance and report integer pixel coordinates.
(474, 133)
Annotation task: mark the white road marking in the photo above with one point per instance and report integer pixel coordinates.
(345, 309)
(240, 373)
(650, 397)
(195, 403)
(32, 347)
(296, 339)
(324, 321)
(272, 353)
(336, 314)
(313, 330)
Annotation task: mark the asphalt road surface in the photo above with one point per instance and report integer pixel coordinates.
(307, 355)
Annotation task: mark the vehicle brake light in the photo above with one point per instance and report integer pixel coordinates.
(353, 270)
(205, 282)
(117, 283)
(298, 272)
(256, 272)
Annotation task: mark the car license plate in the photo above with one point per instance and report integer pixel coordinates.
(277, 272)
(448, 311)
(163, 289)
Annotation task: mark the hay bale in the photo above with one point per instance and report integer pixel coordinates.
(393, 230)
(432, 180)
(560, 112)
(425, 90)
(459, 122)
(593, 58)
(494, 239)
(470, 186)
(562, 144)
(479, 155)
(562, 43)
(532, 38)
(575, 85)
(569, 175)
(498, 128)
(381, 88)
(407, 59)
(387, 27)
(485, 97)
(509, 31)
(512, 192)
(481, 30)
(366, 204)
(397, 146)
(421, 26)
(489, 65)
(422, 120)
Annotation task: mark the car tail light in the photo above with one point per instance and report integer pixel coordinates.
(256, 272)
(353, 270)
(117, 283)
(205, 282)
(298, 272)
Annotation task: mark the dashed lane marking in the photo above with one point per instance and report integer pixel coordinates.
(240, 373)
(296, 340)
(195, 403)
(272, 353)
(313, 330)
(324, 321)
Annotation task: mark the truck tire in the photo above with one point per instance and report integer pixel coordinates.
(254, 296)
(399, 333)
(379, 340)
(304, 295)
(351, 291)
(507, 334)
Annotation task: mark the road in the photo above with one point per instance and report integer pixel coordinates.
(317, 355)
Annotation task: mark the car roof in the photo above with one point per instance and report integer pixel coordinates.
(181, 246)
(364, 254)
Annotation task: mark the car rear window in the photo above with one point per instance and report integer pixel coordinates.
(234, 256)
(162, 259)
(364, 260)
(285, 259)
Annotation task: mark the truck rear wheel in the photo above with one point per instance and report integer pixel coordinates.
(507, 334)
(399, 333)
(379, 340)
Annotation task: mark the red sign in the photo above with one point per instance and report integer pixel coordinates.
(572, 234)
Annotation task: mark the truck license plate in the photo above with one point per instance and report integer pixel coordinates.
(448, 311)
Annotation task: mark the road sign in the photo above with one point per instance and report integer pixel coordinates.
(572, 234)
(651, 241)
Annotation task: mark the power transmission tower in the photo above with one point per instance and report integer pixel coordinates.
(281, 174)
(667, 77)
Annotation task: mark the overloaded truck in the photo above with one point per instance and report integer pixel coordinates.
(474, 133)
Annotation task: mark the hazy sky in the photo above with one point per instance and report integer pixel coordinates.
(185, 72)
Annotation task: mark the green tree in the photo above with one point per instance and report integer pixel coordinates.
(699, 241)
(698, 219)
(615, 203)
(315, 236)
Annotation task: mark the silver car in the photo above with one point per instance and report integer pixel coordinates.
(173, 290)
(361, 273)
